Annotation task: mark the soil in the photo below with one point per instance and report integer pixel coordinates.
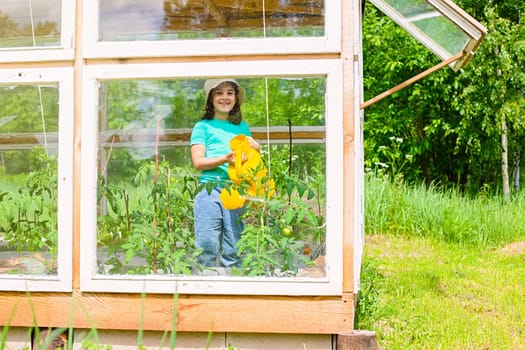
(514, 248)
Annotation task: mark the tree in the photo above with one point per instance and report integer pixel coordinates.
(448, 127)
(499, 103)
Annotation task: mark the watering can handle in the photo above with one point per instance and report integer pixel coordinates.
(238, 160)
(239, 144)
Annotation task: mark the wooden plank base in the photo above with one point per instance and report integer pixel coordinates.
(192, 313)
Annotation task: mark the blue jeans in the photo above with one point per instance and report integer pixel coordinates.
(217, 230)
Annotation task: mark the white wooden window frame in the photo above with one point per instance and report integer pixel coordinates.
(65, 51)
(330, 43)
(358, 228)
(462, 20)
(62, 281)
(331, 284)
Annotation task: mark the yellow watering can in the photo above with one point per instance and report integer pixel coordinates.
(249, 167)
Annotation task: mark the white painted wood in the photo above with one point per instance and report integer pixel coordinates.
(17, 338)
(472, 29)
(330, 43)
(359, 200)
(44, 54)
(331, 285)
(67, 39)
(36, 55)
(127, 340)
(280, 341)
(62, 280)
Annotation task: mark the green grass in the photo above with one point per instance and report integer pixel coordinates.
(440, 270)
(446, 215)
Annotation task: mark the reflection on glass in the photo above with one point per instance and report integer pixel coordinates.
(31, 23)
(444, 33)
(300, 102)
(130, 20)
(432, 23)
(28, 179)
(147, 182)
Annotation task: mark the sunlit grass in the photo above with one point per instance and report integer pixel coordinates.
(437, 274)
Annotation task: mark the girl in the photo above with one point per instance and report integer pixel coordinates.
(217, 229)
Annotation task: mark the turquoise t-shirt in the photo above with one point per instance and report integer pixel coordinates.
(216, 134)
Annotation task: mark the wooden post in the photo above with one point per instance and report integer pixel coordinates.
(358, 340)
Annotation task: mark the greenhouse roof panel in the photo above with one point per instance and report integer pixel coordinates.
(440, 25)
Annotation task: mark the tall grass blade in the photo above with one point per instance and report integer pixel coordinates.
(36, 334)
(140, 335)
(173, 335)
(208, 339)
(70, 330)
(5, 329)
(93, 331)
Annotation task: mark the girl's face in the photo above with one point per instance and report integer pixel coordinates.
(224, 99)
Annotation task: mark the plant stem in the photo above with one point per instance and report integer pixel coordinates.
(155, 208)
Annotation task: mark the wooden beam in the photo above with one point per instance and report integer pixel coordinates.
(349, 171)
(192, 313)
(29, 140)
(411, 80)
(226, 14)
(243, 22)
(310, 7)
(77, 140)
(183, 135)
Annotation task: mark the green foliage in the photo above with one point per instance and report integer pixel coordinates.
(494, 85)
(30, 212)
(13, 34)
(450, 122)
(446, 215)
(90, 345)
(156, 225)
(136, 104)
(150, 218)
(133, 104)
(23, 110)
(295, 101)
(145, 224)
(274, 241)
(369, 296)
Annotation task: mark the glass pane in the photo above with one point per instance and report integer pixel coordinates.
(130, 20)
(28, 179)
(432, 23)
(440, 25)
(296, 102)
(147, 182)
(31, 23)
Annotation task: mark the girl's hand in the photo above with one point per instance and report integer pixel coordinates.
(254, 144)
(230, 157)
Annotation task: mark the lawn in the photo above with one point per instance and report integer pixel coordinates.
(427, 290)
(432, 295)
